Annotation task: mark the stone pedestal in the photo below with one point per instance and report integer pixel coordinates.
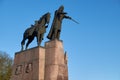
(29, 64)
(49, 63)
(55, 61)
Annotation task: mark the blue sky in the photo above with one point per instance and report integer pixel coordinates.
(93, 46)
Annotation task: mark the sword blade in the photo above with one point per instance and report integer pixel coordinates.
(75, 21)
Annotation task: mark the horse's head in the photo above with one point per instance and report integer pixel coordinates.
(44, 19)
(47, 17)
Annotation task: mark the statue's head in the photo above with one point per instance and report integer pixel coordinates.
(61, 8)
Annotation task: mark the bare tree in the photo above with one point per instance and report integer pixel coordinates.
(5, 66)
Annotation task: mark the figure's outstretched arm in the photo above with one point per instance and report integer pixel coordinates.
(67, 17)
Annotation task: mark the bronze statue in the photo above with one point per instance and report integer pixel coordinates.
(37, 30)
(56, 25)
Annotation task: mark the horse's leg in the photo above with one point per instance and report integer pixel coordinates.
(29, 41)
(22, 44)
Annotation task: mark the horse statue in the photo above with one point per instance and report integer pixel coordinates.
(37, 30)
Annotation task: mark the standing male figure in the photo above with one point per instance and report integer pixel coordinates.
(57, 22)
